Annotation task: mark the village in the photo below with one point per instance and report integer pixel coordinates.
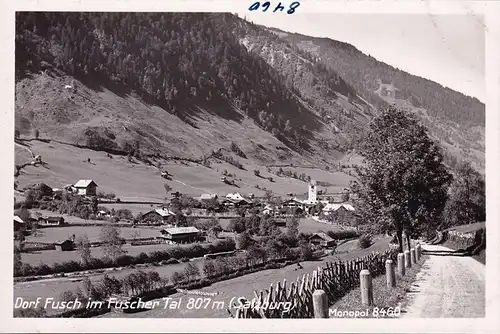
(175, 221)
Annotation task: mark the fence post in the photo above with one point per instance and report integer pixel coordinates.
(320, 304)
(413, 256)
(407, 259)
(365, 282)
(401, 264)
(390, 274)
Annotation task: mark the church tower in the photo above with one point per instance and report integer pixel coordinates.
(312, 191)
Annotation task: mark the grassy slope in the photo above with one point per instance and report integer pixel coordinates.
(136, 181)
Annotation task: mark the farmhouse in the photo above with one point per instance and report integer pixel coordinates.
(322, 239)
(66, 245)
(51, 221)
(86, 188)
(18, 224)
(181, 234)
(156, 216)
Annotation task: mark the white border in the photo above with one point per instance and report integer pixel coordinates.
(491, 10)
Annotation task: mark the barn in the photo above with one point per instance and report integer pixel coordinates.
(322, 239)
(181, 235)
(66, 245)
(156, 216)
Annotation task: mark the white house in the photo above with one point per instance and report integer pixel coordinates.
(234, 196)
(86, 188)
(334, 207)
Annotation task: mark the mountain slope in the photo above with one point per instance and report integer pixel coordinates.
(166, 68)
(188, 84)
(455, 120)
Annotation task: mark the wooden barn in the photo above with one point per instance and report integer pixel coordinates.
(156, 216)
(65, 246)
(181, 234)
(322, 239)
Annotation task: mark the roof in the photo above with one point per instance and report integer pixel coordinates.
(84, 183)
(162, 212)
(54, 218)
(60, 242)
(18, 220)
(208, 196)
(335, 207)
(323, 236)
(181, 230)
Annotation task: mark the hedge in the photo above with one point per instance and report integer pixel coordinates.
(126, 260)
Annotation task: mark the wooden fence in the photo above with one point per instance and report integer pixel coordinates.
(336, 279)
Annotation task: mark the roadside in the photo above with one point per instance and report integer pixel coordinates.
(388, 302)
(448, 286)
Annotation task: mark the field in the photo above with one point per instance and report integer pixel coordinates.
(52, 234)
(136, 181)
(240, 286)
(53, 256)
(245, 285)
(54, 287)
(306, 225)
(468, 228)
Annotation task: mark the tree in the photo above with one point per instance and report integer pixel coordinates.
(18, 264)
(24, 214)
(403, 185)
(191, 271)
(292, 226)
(467, 202)
(168, 189)
(112, 242)
(83, 248)
(244, 240)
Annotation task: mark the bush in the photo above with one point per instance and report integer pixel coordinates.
(365, 241)
(343, 234)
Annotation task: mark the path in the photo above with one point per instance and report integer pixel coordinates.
(448, 286)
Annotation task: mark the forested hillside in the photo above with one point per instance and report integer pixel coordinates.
(208, 70)
(177, 61)
(455, 119)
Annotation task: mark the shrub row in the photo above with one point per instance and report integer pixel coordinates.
(126, 260)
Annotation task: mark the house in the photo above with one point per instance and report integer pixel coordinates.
(65, 246)
(291, 203)
(208, 197)
(234, 196)
(181, 234)
(157, 216)
(51, 221)
(322, 239)
(338, 208)
(18, 224)
(86, 188)
(268, 210)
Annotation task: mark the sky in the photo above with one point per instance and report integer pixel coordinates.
(448, 49)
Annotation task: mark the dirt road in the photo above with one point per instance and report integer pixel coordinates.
(448, 287)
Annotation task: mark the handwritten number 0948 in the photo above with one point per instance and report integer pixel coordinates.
(280, 7)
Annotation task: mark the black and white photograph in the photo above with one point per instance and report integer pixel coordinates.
(249, 165)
